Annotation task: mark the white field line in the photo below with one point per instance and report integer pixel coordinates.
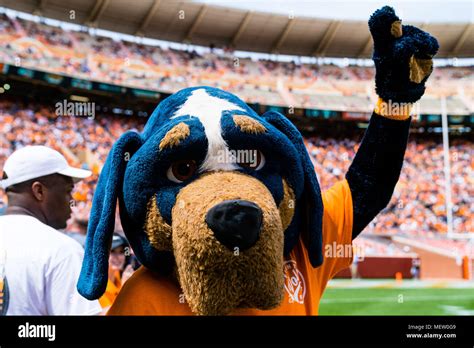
(406, 298)
(405, 284)
(457, 310)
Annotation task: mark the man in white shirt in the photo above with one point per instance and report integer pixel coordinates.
(39, 266)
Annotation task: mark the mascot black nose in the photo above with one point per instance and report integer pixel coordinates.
(235, 223)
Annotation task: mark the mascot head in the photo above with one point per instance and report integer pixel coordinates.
(211, 194)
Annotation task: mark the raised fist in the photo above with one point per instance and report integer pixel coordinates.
(402, 56)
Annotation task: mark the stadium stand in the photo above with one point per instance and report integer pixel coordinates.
(330, 87)
(377, 246)
(416, 208)
(417, 205)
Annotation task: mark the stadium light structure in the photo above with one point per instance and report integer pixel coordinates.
(447, 167)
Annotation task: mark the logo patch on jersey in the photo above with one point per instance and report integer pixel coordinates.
(294, 282)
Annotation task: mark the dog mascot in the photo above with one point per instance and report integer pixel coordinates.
(219, 235)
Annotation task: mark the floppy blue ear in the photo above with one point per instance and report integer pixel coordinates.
(308, 215)
(94, 273)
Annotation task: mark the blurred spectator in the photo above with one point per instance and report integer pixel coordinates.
(77, 230)
(119, 270)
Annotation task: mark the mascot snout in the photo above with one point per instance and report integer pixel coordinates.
(227, 238)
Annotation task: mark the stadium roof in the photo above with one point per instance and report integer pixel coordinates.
(203, 24)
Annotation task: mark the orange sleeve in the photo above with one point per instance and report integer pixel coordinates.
(106, 300)
(337, 229)
(111, 292)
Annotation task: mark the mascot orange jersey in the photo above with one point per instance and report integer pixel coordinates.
(223, 208)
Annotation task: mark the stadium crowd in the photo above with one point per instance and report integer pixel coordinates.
(417, 206)
(84, 142)
(84, 55)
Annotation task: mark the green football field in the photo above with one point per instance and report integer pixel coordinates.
(389, 298)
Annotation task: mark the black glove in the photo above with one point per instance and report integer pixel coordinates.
(402, 56)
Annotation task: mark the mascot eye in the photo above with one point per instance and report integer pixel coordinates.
(180, 171)
(254, 160)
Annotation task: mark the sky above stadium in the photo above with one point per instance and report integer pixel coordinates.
(410, 11)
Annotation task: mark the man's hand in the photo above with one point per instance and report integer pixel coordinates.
(402, 56)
